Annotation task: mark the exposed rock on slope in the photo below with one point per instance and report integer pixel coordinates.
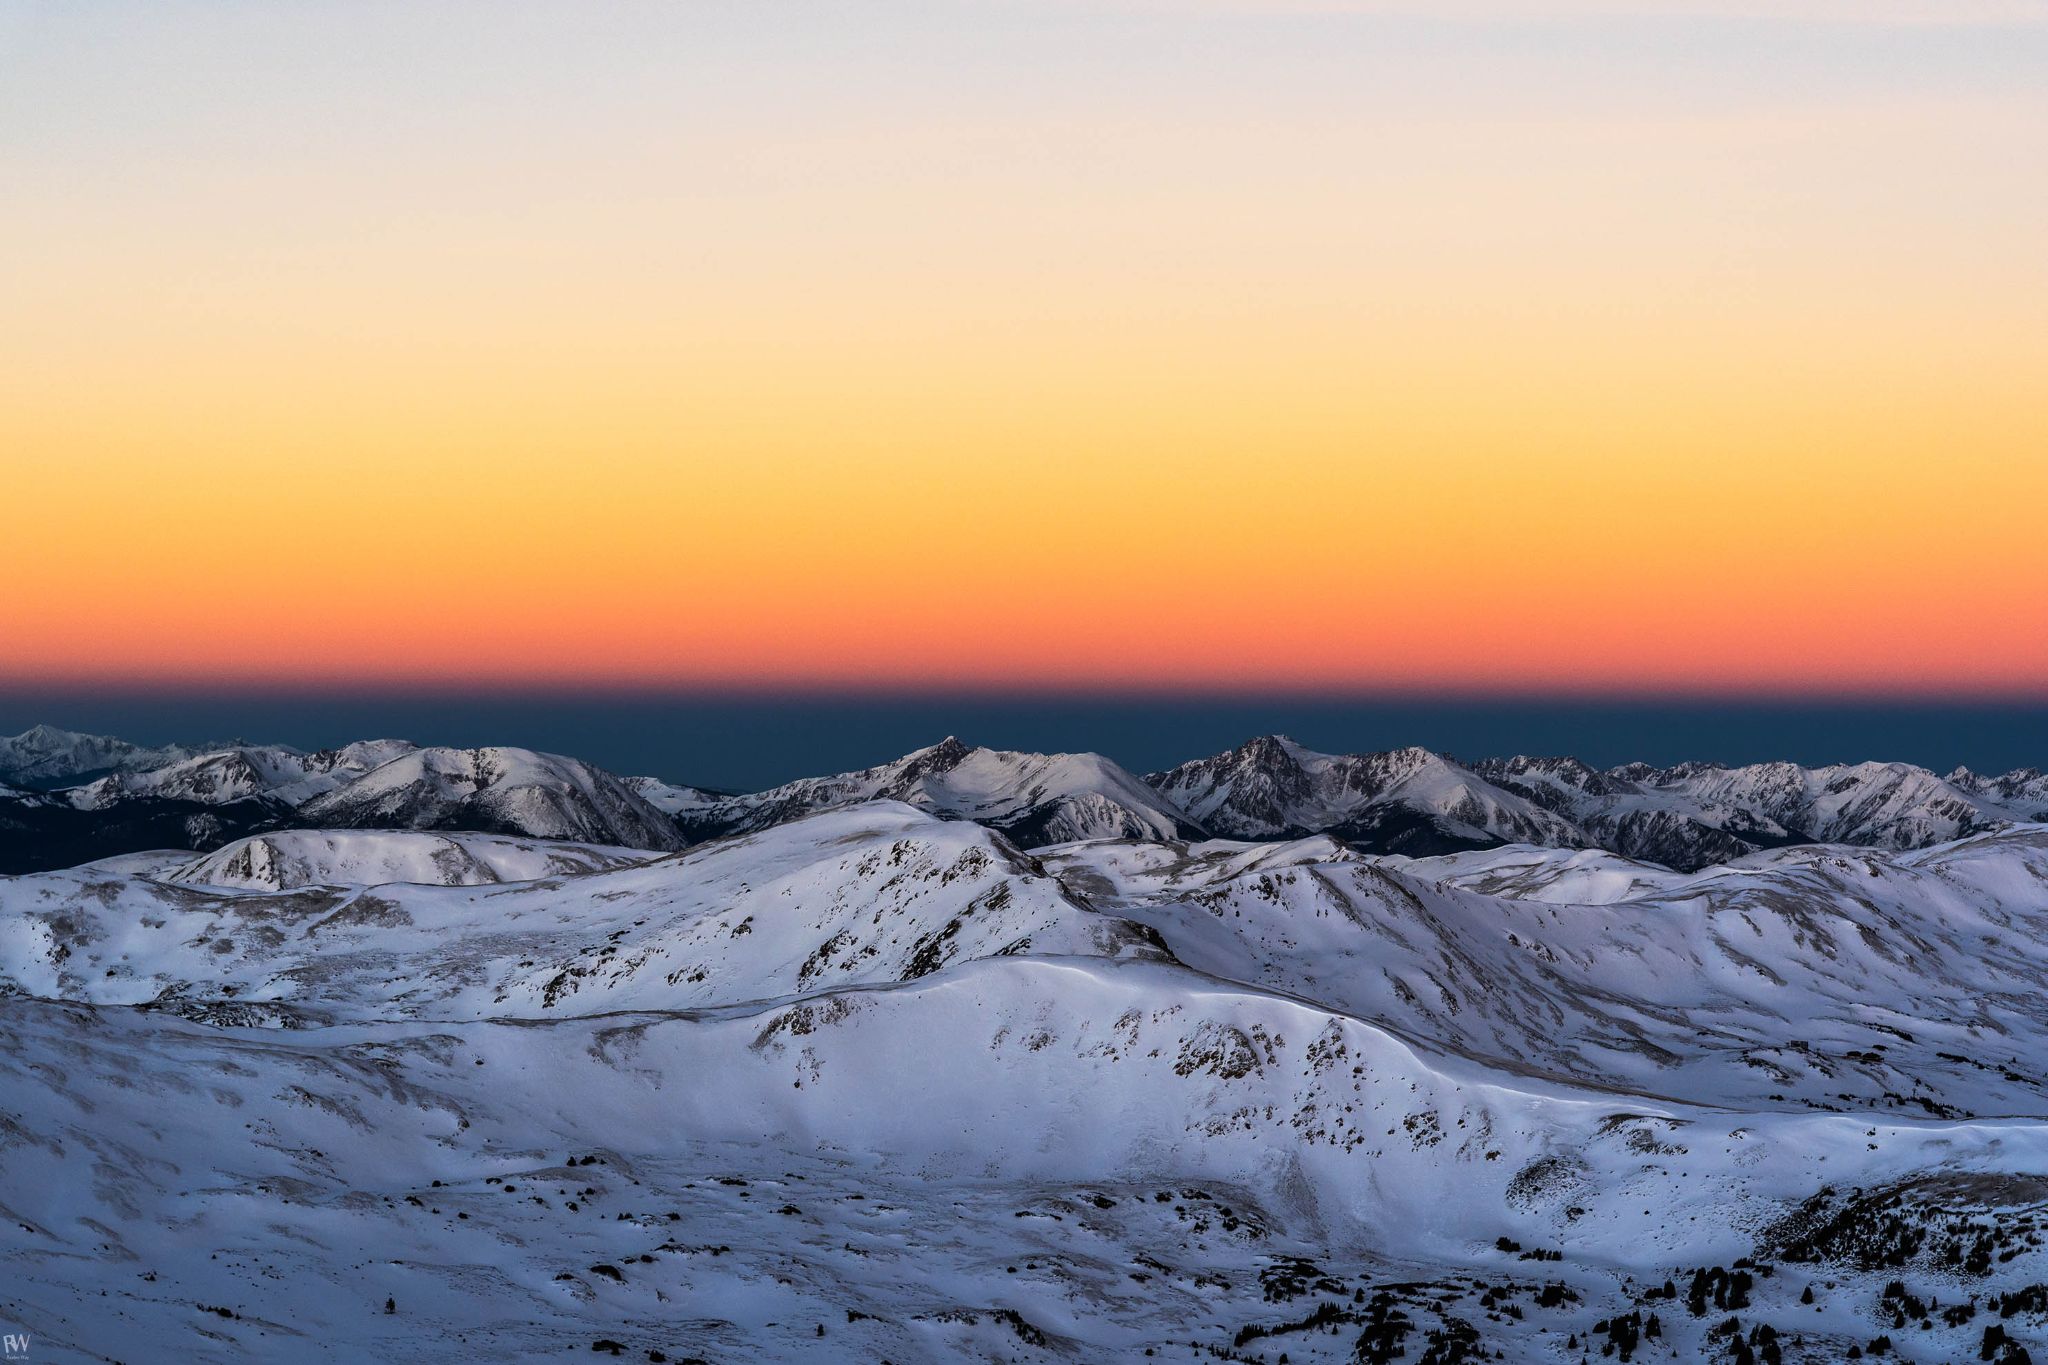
(675, 800)
(289, 859)
(277, 772)
(1031, 798)
(1690, 816)
(496, 791)
(877, 894)
(871, 1085)
(1402, 801)
(1823, 977)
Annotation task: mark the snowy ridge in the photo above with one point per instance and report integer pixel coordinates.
(1032, 798)
(289, 859)
(1566, 877)
(879, 893)
(873, 1083)
(274, 771)
(496, 790)
(1686, 989)
(671, 799)
(2021, 790)
(1691, 816)
(1420, 1060)
(44, 755)
(1404, 800)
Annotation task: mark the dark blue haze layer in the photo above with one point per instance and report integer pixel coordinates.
(745, 741)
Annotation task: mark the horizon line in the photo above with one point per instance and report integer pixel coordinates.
(1460, 757)
(1030, 692)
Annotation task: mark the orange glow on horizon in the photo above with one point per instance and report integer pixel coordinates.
(1178, 384)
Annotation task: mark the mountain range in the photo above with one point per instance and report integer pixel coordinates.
(71, 797)
(45, 755)
(868, 1080)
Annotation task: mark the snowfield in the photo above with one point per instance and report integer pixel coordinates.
(872, 1083)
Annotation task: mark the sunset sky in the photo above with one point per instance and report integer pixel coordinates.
(1601, 346)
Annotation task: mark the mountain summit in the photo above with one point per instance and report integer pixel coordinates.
(1401, 801)
(1031, 798)
(496, 791)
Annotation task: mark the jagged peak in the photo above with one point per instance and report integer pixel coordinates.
(1535, 763)
(1411, 758)
(1562, 769)
(1273, 749)
(944, 756)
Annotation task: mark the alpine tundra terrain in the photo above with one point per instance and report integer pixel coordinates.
(490, 1055)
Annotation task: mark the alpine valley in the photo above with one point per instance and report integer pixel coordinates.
(386, 1052)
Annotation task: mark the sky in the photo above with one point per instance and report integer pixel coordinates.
(1617, 348)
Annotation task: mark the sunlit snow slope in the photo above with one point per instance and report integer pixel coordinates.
(872, 1083)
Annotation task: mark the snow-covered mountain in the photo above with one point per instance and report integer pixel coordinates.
(385, 925)
(874, 1084)
(45, 756)
(1814, 978)
(2023, 792)
(498, 791)
(1690, 816)
(286, 860)
(275, 771)
(1565, 876)
(1032, 798)
(200, 800)
(1887, 805)
(1765, 805)
(673, 799)
(1593, 971)
(1632, 815)
(1405, 800)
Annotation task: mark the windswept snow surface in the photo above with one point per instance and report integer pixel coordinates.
(873, 1084)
